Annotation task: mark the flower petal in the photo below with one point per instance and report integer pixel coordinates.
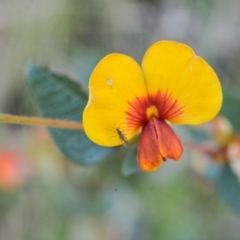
(149, 156)
(170, 145)
(157, 143)
(116, 80)
(174, 69)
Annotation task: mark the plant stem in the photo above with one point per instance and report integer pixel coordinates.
(56, 123)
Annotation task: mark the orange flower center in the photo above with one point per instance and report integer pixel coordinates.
(159, 105)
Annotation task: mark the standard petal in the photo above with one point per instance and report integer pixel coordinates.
(116, 80)
(173, 69)
(149, 156)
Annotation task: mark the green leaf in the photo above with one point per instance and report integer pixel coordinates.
(228, 186)
(231, 107)
(130, 165)
(198, 135)
(226, 182)
(57, 96)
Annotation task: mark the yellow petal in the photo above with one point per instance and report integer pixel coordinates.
(173, 69)
(116, 80)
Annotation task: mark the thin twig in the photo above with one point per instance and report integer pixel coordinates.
(48, 122)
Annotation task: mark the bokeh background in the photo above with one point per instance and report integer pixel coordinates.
(45, 196)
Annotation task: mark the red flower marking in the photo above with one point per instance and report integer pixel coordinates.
(167, 108)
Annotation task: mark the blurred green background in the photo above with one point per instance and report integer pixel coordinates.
(44, 196)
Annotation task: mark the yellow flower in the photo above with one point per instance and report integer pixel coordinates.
(173, 85)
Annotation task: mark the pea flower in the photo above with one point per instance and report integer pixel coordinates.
(173, 86)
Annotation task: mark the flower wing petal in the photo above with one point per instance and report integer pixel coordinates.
(174, 69)
(157, 142)
(116, 80)
(149, 156)
(170, 145)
